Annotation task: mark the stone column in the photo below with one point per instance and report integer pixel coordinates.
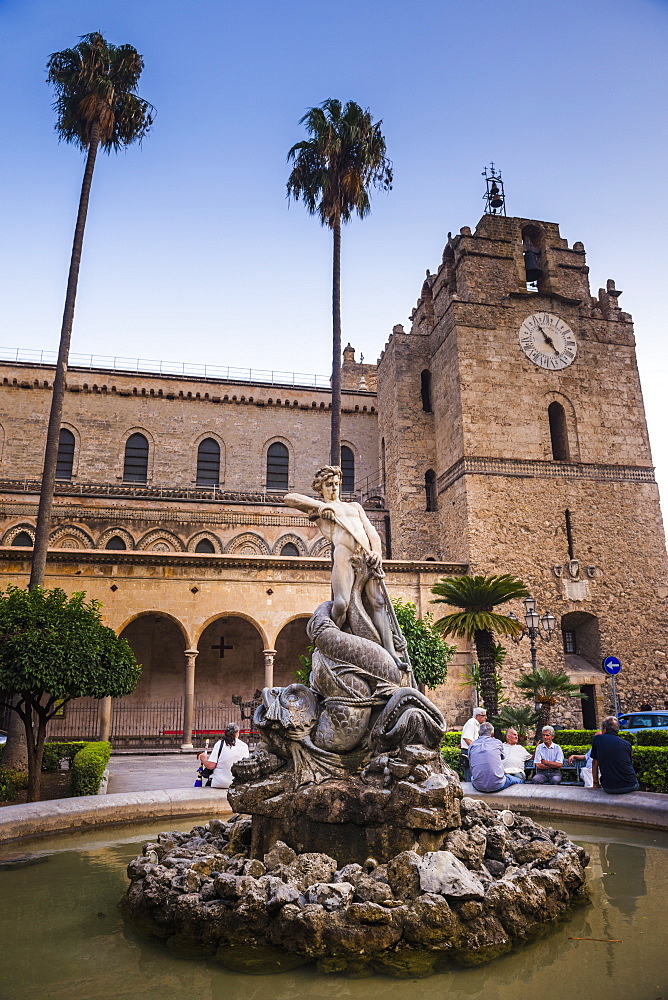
(104, 718)
(189, 699)
(269, 655)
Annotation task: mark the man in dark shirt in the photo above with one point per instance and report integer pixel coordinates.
(612, 755)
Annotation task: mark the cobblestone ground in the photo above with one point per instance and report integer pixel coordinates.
(151, 772)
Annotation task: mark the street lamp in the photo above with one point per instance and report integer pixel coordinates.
(536, 627)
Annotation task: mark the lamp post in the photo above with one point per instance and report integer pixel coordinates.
(536, 627)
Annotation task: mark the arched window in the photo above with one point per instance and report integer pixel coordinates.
(558, 432)
(531, 248)
(116, 542)
(382, 459)
(135, 468)
(430, 489)
(205, 545)
(289, 549)
(65, 460)
(23, 540)
(348, 469)
(208, 464)
(278, 461)
(425, 389)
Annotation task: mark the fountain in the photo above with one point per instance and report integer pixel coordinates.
(352, 845)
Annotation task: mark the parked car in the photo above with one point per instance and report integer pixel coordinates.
(635, 722)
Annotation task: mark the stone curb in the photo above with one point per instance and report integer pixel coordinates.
(645, 809)
(38, 819)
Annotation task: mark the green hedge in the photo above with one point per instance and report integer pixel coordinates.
(55, 752)
(651, 765)
(651, 738)
(88, 767)
(451, 755)
(11, 782)
(451, 739)
(583, 737)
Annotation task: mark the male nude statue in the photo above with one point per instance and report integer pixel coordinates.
(352, 534)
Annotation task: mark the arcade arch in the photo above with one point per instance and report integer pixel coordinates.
(230, 661)
(159, 643)
(291, 643)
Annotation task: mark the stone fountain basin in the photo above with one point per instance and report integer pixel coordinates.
(498, 882)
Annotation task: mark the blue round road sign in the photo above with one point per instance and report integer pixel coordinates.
(611, 665)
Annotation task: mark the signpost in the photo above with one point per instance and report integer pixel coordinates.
(612, 666)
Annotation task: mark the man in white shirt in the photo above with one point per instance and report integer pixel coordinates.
(549, 760)
(514, 754)
(470, 734)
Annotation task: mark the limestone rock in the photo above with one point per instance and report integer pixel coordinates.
(441, 872)
(330, 895)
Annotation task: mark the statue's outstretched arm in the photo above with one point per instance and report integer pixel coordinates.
(308, 504)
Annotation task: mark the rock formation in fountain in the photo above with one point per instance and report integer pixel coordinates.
(353, 846)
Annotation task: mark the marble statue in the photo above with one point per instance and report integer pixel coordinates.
(362, 699)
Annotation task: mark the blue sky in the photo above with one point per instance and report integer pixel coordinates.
(192, 251)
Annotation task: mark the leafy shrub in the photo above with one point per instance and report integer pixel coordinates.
(652, 738)
(452, 758)
(583, 737)
(55, 752)
(89, 766)
(11, 782)
(452, 739)
(651, 766)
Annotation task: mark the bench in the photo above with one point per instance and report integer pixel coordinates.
(572, 770)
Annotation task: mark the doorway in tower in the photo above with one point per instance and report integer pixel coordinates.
(291, 643)
(581, 637)
(230, 663)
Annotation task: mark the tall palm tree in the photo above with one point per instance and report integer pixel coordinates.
(333, 172)
(96, 106)
(543, 687)
(477, 596)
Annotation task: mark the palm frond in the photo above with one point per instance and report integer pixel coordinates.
(465, 624)
(479, 593)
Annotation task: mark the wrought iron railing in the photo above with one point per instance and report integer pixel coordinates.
(151, 366)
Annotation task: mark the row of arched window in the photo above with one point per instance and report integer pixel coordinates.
(135, 462)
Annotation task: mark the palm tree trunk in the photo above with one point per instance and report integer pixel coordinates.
(484, 644)
(335, 446)
(43, 528)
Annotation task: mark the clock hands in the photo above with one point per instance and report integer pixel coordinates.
(548, 338)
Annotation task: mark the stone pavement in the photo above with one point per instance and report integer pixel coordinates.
(145, 772)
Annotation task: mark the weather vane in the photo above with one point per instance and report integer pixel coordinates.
(494, 197)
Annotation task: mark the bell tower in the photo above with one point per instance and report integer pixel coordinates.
(513, 438)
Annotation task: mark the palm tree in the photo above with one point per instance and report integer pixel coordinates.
(543, 687)
(96, 106)
(519, 717)
(477, 596)
(332, 173)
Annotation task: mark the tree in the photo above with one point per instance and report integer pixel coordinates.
(428, 653)
(477, 596)
(332, 173)
(543, 687)
(53, 649)
(519, 717)
(96, 106)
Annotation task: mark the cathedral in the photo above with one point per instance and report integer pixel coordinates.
(504, 432)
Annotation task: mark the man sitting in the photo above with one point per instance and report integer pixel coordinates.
(515, 755)
(611, 760)
(486, 762)
(549, 759)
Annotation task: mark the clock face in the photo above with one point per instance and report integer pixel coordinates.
(548, 341)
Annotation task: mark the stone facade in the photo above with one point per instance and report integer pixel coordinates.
(577, 518)
(456, 461)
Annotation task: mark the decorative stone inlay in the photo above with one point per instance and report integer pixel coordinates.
(248, 543)
(69, 536)
(159, 540)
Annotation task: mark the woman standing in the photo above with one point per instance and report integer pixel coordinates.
(225, 753)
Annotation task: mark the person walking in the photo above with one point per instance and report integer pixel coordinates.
(612, 760)
(486, 762)
(549, 760)
(225, 753)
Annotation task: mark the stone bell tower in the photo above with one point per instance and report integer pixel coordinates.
(512, 437)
